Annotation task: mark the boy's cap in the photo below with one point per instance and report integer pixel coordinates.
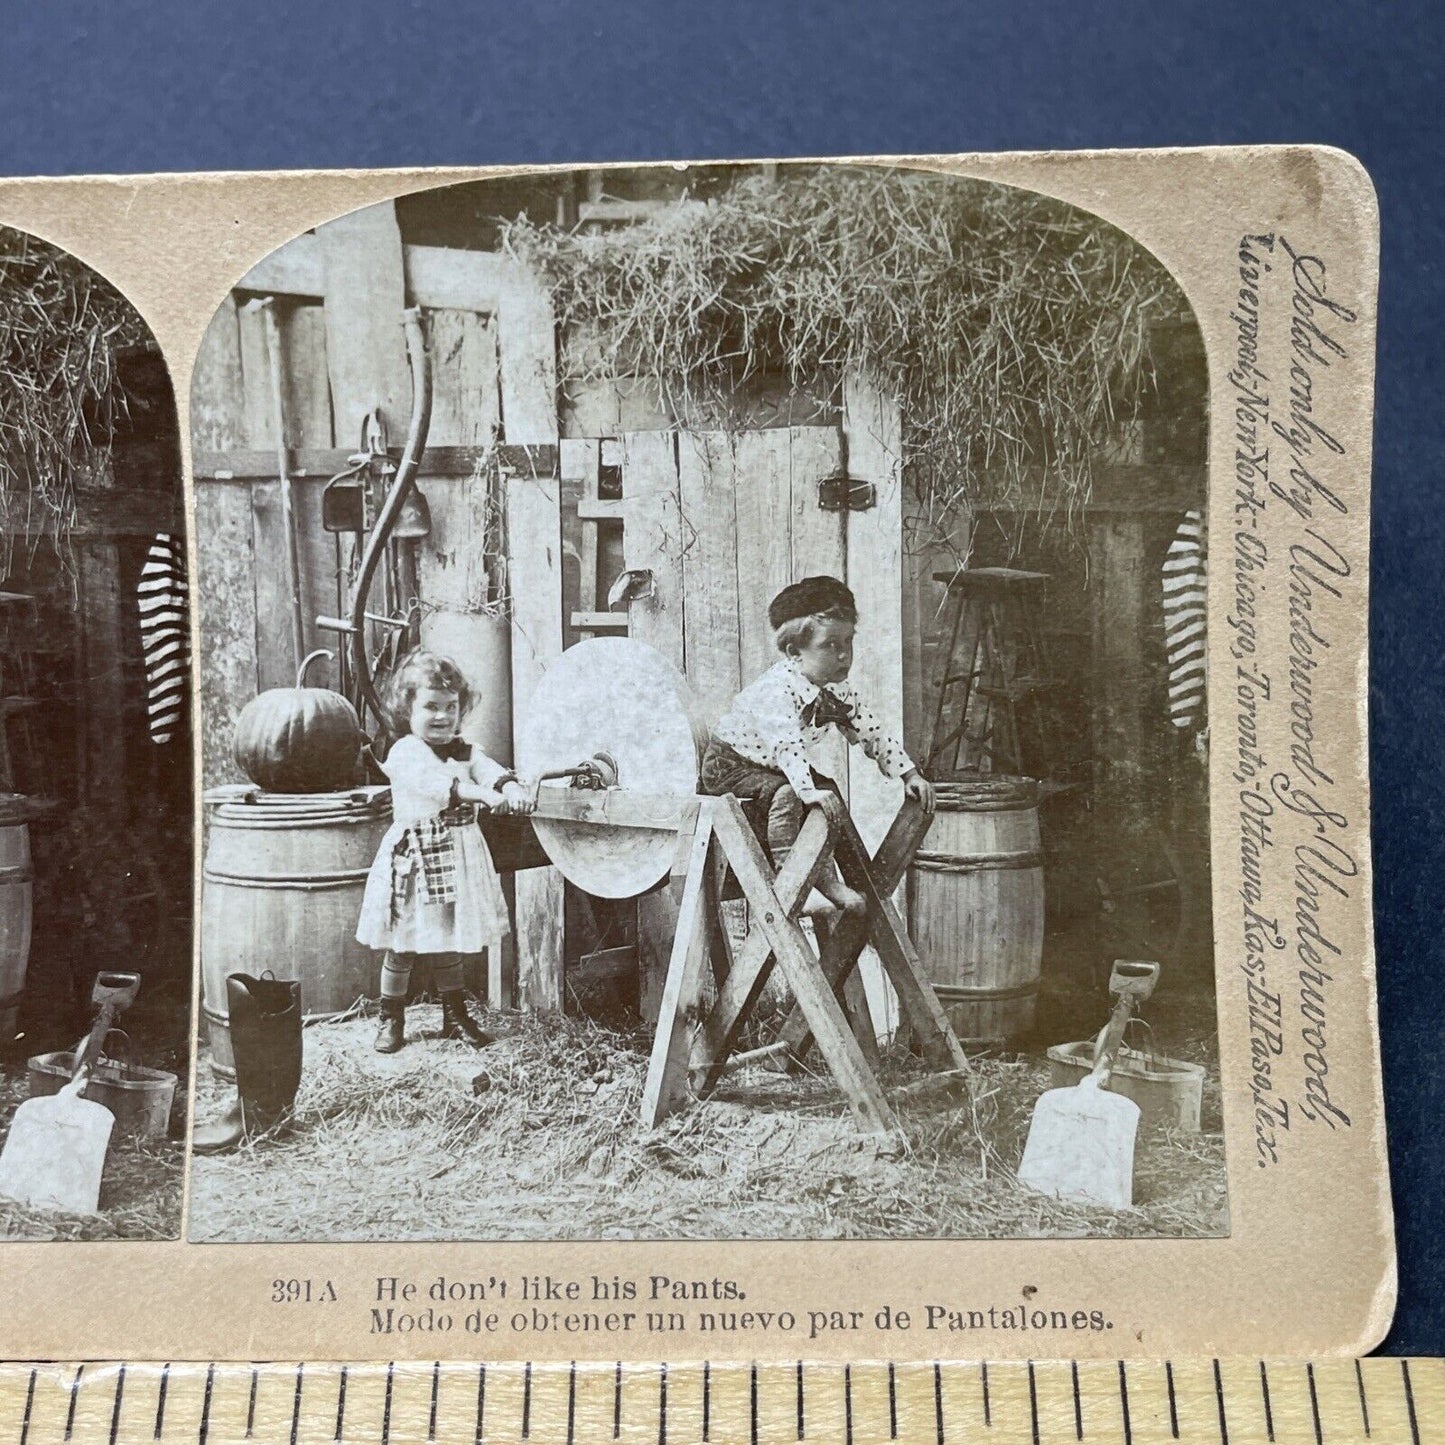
(811, 596)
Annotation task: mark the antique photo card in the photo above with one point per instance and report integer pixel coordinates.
(779, 756)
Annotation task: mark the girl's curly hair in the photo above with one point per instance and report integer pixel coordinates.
(419, 669)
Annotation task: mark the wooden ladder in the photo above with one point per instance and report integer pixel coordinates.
(994, 712)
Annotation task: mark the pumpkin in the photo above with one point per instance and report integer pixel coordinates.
(299, 739)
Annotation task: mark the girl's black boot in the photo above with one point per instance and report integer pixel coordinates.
(457, 1022)
(392, 1033)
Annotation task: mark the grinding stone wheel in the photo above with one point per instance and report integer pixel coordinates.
(619, 696)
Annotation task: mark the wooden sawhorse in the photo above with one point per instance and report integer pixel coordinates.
(719, 840)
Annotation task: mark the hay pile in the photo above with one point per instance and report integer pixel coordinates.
(1014, 329)
(61, 325)
(536, 1138)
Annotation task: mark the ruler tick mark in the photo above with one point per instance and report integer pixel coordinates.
(892, 1403)
(987, 1412)
(848, 1404)
(1078, 1401)
(115, 1409)
(1360, 1385)
(386, 1406)
(1315, 1405)
(340, 1405)
(1124, 1405)
(799, 1377)
(1033, 1404)
(1219, 1398)
(1268, 1407)
(1410, 1401)
(753, 1404)
(29, 1406)
(938, 1402)
(205, 1426)
(251, 1404)
(481, 1402)
(706, 1403)
(296, 1405)
(74, 1396)
(617, 1402)
(527, 1401)
(436, 1380)
(161, 1402)
(572, 1403)
(662, 1405)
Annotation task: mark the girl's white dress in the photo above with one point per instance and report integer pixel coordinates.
(395, 913)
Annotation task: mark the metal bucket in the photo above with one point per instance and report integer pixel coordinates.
(140, 1098)
(1167, 1091)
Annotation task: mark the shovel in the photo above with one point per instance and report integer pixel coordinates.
(1081, 1142)
(54, 1155)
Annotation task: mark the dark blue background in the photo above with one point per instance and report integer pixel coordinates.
(129, 86)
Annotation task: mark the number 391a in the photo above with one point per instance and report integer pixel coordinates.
(302, 1291)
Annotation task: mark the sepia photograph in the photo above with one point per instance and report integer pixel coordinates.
(702, 720)
(96, 791)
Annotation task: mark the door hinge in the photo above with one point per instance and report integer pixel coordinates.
(846, 494)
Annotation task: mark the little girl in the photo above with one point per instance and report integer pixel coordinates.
(433, 892)
(760, 749)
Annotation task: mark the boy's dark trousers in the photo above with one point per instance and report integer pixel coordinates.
(769, 801)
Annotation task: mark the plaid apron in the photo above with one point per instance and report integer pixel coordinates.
(425, 859)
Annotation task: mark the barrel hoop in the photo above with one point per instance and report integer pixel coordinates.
(296, 882)
(17, 873)
(292, 822)
(954, 993)
(988, 795)
(975, 862)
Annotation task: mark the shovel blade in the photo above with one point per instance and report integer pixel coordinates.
(1081, 1147)
(55, 1154)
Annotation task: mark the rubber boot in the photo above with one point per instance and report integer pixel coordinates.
(392, 1033)
(265, 1019)
(457, 1022)
(222, 1134)
(266, 1037)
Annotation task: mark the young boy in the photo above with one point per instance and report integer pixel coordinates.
(759, 749)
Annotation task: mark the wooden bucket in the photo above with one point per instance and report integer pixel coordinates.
(978, 906)
(17, 877)
(282, 886)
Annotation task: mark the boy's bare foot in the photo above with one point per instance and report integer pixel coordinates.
(816, 904)
(842, 897)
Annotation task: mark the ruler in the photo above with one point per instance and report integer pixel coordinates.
(1136, 1402)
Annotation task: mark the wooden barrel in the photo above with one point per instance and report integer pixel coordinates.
(282, 886)
(17, 878)
(978, 906)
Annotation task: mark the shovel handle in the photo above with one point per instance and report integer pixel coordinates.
(1111, 1038)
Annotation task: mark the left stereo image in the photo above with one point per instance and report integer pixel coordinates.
(95, 762)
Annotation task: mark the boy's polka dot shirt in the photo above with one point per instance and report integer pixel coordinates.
(769, 724)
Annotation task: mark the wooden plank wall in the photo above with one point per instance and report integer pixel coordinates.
(727, 519)
(528, 361)
(345, 353)
(873, 434)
